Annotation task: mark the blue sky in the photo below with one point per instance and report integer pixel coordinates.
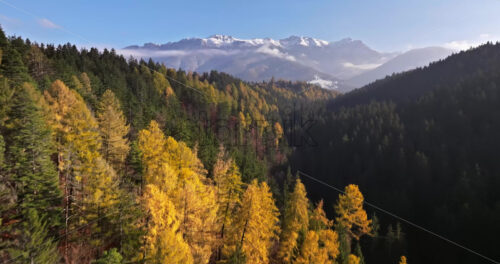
(387, 25)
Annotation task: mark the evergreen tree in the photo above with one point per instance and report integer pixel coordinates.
(35, 243)
(29, 157)
(6, 94)
(12, 66)
(113, 130)
(111, 256)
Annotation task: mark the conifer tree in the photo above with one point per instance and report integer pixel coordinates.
(164, 241)
(176, 168)
(12, 67)
(256, 224)
(321, 243)
(35, 243)
(29, 156)
(113, 129)
(295, 222)
(228, 186)
(402, 260)
(310, 252)
(111, 256)
(350, 212)
(90, 184)
(6, 93)
(352, 259)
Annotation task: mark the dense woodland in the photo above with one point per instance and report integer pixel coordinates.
(106, 159)
(422, 144)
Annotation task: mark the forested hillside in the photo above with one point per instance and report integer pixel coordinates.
(108, 160)
(105, 159)
(421, 144)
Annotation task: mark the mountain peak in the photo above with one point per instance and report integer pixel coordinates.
(221, 37)
(303, 41)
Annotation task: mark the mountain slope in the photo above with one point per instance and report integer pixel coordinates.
(293, 58)
(407, 61)
(411, 85)
(422, 145)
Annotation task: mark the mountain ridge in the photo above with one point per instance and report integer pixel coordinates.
(295, 58)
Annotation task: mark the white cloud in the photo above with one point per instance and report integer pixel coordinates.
(367, 66)
(145, 53)
(47, 23)
(275, 53)
(325, 84)
(467, 44)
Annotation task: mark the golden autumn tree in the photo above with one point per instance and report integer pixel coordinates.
(402, 260)
(152, 143)
(161, 85)
(194, 198)
(228, 187)
(278, 133)
(89, 183)
(353, 259)
(295, 222)
(256, 225)
(164, 242)
(310, 252)
(318, 220)
(350, 212)
(175, 168)
(321, 245)
(113, 129)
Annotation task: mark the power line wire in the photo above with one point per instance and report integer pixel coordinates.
(304, 174)
(404, 220)
(58, 27)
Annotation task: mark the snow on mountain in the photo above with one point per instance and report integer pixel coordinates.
(294, 58)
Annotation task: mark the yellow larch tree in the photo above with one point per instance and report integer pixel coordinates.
(310, 252)
(89, 182)
(402, 260)
(350, 212)
(278, 132)
(353, 259)
(228, 185)
(295, 222)
(113, 129)
(318, 220)
(194, 199)
(175, 168)
(255, 228)
(152, 143)
(164, 241)
(321, 245)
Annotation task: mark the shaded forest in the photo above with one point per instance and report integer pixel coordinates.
(422, 144)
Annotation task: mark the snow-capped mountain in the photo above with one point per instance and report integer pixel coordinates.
(293, 58)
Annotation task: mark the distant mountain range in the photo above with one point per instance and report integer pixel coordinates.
(341, 65)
